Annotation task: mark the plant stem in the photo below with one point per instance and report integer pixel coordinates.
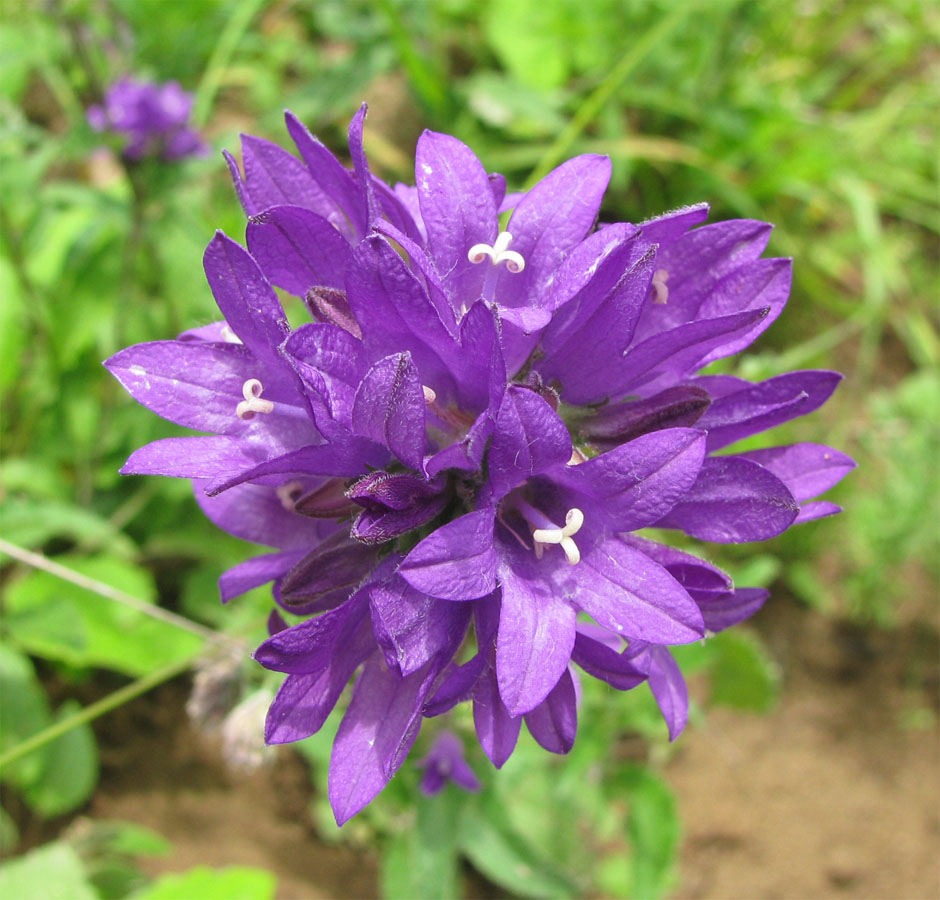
(38, 561)
(99, 708)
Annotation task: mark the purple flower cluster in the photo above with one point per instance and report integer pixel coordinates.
(153, 119)
(452, 460)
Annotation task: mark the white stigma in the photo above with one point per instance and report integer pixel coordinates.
(660, 277)
(498, 252)
(430, 397)
(561, 536)
(251, 391)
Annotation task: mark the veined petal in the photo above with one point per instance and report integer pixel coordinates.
(297, 249)
(636, 484)
(668, 685)
(189, 457)
(458, 210)
(497, 730)
(536, 635)
(375, 735)
(529, 438)
(389, 408)
(554, 722)
(734, 500)
(731, 608)
(626, 592)
(457, 561)
(254, 572)
(274, 177)
(808, 470)
(605, 663)
(548, 223)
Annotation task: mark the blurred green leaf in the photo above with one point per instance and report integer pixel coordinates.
(24, 711)
(234, 883)
(70, 769)
(653, 828)
(742, 675)
(51, 618)
(420, 863)
(52, 872)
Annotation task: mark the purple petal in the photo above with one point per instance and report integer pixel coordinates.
(695, 264)
(457, 561)
(189, 457)
(732, 608)
(703, 581)
(549, 221)
(275, 177)
(626, 592)
(536, 634)
(616, 424)
(734, 500)
(375, 735)
(669, 688)
(758, 407)
(458, 210)
(457, 687)
(412, 628)
(478, 367)
(310, 646)
(554, 722)
(659, 361)
(818, 509)
(304, 701)
(670, 226)
(529, 438)
(496, 729)
(807, 470)
(337, 562)
(635, 485)
(248, 303)
(254, 572)
(361, 164)
(298, 249)
(764, 284)
(608, 665)
(330, 174)
(194, 383)
(241, 189)
(396, 313)
(345, 459)
(389, 408)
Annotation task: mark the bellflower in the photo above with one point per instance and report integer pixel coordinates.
(451, 460)
(152, 118)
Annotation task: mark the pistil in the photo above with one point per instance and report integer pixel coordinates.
(546, 532)
(251, 391)
(498, 252)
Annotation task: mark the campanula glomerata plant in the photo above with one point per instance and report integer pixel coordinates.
(454, 459)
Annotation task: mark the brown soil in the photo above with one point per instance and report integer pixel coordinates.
(833, 795)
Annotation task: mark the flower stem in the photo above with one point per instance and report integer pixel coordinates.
(96, 709)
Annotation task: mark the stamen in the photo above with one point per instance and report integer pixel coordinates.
(549, 533)
(251, 391)
(498, 252)
(660, 277)
(228, 335)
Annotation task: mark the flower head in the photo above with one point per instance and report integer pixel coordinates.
(152, 118)
(460, 445)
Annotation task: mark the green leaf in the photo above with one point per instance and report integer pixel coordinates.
(131, 839)
(9, 833)
(528, 38)
(58, 620)
(24, 711)
(70, 770)
(653, 831)
(743, 676)
(421, 862)
(12, 331)
(234, 883)
(505, 858)
(52, 872)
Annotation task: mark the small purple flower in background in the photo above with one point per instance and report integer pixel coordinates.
(153, 119)
(455, 454)
(445, 762)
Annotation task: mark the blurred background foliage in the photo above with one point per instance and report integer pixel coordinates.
(817, 115)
